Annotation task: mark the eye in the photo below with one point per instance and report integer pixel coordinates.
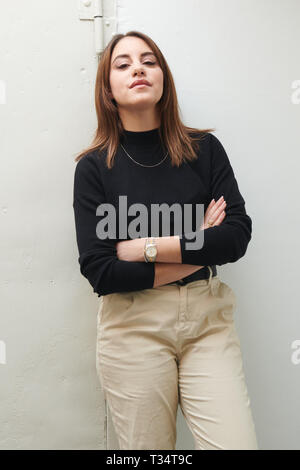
(125, 65)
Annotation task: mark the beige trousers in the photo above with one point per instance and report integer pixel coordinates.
(169, 345)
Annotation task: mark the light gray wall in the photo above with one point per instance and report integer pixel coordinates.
(235, 64)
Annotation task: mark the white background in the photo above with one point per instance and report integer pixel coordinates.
(234, 64)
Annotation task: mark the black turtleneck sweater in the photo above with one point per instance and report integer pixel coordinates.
(209, 176)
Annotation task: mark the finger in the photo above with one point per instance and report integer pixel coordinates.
(211, 204)
(208, 212)
(220, 218)
(213, 210)
(216, 210)
(221, 199)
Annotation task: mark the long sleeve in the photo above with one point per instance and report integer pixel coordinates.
(98, 259)
(227, 242)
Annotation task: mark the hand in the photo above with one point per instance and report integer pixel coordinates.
(214, 213)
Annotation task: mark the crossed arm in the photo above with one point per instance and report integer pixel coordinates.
(168, 266)
(168, 249)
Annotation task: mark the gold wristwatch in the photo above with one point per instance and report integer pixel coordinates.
(150, 250)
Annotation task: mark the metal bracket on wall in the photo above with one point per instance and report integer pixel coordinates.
(103, 14)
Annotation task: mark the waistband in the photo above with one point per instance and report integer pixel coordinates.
(203, 273)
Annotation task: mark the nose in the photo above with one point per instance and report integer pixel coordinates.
(138, 69)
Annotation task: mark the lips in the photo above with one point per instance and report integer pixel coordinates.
(140, 82)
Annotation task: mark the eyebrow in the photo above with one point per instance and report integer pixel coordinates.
(126, 55)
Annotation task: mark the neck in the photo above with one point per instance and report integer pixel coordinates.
(139, 120)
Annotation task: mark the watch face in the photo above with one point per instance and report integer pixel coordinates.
(151, 251)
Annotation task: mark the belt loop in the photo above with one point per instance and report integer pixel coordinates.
(211, 282)
(210, 275)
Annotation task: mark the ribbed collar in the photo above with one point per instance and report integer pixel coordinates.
(144, 147)
(141, 138)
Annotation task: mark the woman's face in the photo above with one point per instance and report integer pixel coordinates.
(125, 70)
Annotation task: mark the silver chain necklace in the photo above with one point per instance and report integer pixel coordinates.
(147, 166)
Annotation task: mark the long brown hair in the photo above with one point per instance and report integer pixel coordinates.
(177, 138)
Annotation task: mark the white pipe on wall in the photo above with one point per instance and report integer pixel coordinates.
(98, 22)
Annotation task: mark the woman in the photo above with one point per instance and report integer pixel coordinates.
(165, 325)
